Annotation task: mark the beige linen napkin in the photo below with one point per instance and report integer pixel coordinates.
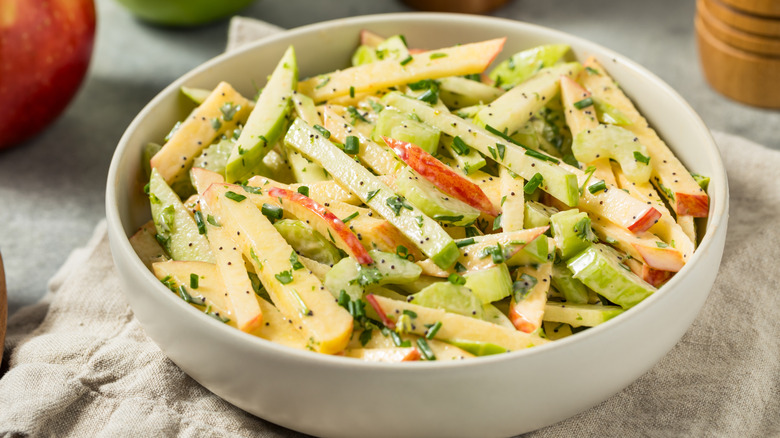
(79, 363)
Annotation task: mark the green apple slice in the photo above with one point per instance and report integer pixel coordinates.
(600, 268)
(580, 315)
(426, 233)
(177, 231)
(266, 121)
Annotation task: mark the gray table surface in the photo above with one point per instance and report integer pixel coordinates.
(52, 188)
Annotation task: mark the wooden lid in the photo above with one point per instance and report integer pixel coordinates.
(760, 45)
(737, 74)
(755, 24)
(463, 6)
(770, 8)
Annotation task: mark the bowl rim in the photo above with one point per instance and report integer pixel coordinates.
(717, 190)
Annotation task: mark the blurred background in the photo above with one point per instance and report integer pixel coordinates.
(52, 186)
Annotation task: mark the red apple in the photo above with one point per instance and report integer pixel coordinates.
(440, 175)
(643, 221)
(389, 323)
(696, 205)
(314, 213)
(45, 49)
(662, 259)
(413, 355)
(655, 277)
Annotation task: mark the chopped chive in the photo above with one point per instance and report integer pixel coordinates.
(351, 91)
(591, 70)
(351, 145)
(533, 183)
(200, 223)
(444, 218)
(456, 279)
(460, 147)
(432, 330)
(430, 96)
(272, 212)
(365, 336)
(296, 264)
(407, 60)
(497, 222)
(324, 82)
(495, 131)
(350, 217)
(503, 199)
(216, 124)
(425, 349)
(459, 267)
(210, 219)
(541, 156)
(396, 203)
(396, 338)
(584, 103)
(666, 191)
(472, 232)
(661, 244)
(376, 106)
(371, 194)
(501, 150)
(216, 315)
(284, 277)
(597, 187)
(611, 240)
(187, 297)
(403, 252)
(641, 158)
(464, 242)
(355, 114)
(234, 196)
(419, 221)
(343, 299)
(303, 190)
(437, 55)
(194, 281)
(492, 152)
(321, 129)
(252, 189)
(589, 172)
(410, 313)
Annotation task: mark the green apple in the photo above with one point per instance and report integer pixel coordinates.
(183, 12)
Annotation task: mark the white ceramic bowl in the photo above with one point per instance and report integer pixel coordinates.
(491, 396)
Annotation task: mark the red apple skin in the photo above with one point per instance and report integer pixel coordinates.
(655, 277)
(661, 259)
(413, 355)
(645, 221)
(389, 323)
(45, 49)
(353, 245)
(520, 322)
(440, 175)
(693, 205)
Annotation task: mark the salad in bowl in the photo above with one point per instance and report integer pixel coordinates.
(419, 205)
